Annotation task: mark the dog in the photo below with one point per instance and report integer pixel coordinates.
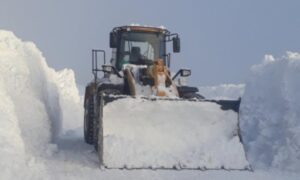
(163, 85)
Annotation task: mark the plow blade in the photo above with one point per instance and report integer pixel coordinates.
(141, 133)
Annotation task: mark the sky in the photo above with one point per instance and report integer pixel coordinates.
(220, 40)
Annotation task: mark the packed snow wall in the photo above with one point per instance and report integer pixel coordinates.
(270, 113)
(34, 100)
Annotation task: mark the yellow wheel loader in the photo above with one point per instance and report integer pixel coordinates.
(139, 115)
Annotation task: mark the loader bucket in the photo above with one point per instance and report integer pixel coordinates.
(142, 133)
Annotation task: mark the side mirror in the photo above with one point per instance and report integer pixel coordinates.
(113, 40)
(185, 72)
(176, 44)
(182, 73)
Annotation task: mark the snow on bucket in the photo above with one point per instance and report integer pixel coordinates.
(141, 133)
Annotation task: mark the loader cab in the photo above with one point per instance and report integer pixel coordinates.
(138, 45)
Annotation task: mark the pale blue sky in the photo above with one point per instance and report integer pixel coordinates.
(220, 39)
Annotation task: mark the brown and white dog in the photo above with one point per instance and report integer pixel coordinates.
(163, 85)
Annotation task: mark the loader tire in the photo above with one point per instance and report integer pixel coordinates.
(89, 117)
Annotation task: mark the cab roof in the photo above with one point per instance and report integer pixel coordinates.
(141, 29)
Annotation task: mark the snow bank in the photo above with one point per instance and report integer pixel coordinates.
(28, 84)
(32, 96)
(70, 102)
(142, 133)
(270, 113)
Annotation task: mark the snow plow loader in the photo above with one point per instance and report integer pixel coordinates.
(138, 115)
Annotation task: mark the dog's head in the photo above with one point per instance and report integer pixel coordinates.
(159, 65)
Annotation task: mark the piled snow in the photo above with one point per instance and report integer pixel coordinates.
(270, 113)
(168, 134)
(223, 91)
(30, 111)
(29, 89)
(70, 102)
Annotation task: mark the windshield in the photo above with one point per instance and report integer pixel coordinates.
(140, 48)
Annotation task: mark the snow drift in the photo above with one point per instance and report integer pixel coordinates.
(270, 113)
(33, 100)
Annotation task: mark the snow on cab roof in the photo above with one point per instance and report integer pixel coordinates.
(144, 28)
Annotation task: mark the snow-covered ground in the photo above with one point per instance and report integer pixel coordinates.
(41, 121)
